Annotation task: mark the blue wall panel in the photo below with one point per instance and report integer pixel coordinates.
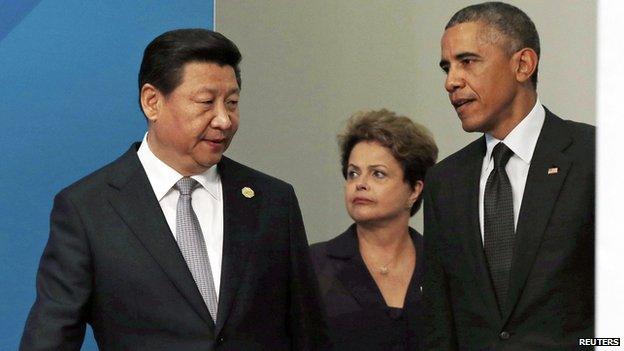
(68, 105)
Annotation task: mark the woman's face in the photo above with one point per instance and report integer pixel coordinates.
(375, 190)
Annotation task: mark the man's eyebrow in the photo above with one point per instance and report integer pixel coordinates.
(461, 56)
(235, 90)
(211, 90)
(464, 55)
(205, 89)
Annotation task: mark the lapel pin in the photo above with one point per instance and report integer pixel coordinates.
(553, 170)
(248, 192)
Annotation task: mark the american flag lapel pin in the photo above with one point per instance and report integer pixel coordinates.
(553, 170)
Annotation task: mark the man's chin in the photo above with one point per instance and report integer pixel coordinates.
(211, 161)
(469, 127)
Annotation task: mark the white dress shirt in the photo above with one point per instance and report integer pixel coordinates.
(207, 202)
(521, 140)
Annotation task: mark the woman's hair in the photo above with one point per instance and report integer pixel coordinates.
(410, 143)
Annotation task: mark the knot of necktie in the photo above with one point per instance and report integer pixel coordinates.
(501, 155)
(186, 185)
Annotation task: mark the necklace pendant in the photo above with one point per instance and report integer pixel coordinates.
(384, 270)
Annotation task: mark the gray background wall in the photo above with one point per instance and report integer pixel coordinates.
(308, 65)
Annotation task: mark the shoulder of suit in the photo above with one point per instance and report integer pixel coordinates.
(581, 131)
(318, 250)
(449, 165)
(583, 137)
(324, 252)
(254, 175)
(576, 129)
(321, 247)
(93, 183)
(341, 245)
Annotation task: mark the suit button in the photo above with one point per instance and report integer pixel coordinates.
(504, 335)
(221, 340)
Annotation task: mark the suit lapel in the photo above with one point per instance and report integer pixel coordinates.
(470, 174)
(353, 273)
(136, 204)
(240, 219)
(540, 194)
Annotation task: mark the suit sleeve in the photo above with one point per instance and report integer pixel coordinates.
(57, 319)
(306, 320)
(439, 333)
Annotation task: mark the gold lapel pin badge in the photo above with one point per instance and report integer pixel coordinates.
(553, 170)
(248, 192)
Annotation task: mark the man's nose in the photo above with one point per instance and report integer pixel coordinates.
(222, 118)
(454, 80)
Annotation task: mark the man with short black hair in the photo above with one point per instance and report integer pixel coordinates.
(174, 246)
(509, 219)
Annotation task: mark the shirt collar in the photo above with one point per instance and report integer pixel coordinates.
(162, 177)
(523, 138)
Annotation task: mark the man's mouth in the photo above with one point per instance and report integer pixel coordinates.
(216, 144)
(362, 201)
(457, 103)
(215, 140)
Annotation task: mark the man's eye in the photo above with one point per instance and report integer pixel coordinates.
(232, 103)
(207, 102)
(467, 61)
(445, 69)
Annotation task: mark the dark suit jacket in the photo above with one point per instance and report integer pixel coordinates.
(357, 315)
(551, 291)
(112, 261)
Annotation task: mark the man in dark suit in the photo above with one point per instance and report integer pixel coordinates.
(509, 219)
(173, 246)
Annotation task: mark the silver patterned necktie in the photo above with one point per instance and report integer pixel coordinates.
(499, 224)
(191, 242)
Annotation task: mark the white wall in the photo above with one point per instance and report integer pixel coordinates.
(308, 65)
(610, 189)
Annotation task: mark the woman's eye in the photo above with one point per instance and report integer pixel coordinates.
(379, 174)
(351, 174)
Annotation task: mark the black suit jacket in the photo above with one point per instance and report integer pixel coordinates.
(112, 261)
(551, 294)
(357, 315)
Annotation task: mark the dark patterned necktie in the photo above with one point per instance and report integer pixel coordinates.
(499, 223)
(191, 242)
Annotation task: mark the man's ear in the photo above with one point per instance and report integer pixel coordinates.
(151, 101)
(526, 64)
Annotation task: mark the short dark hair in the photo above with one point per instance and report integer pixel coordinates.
(410, 143)
(165, 57)
(506, 19)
